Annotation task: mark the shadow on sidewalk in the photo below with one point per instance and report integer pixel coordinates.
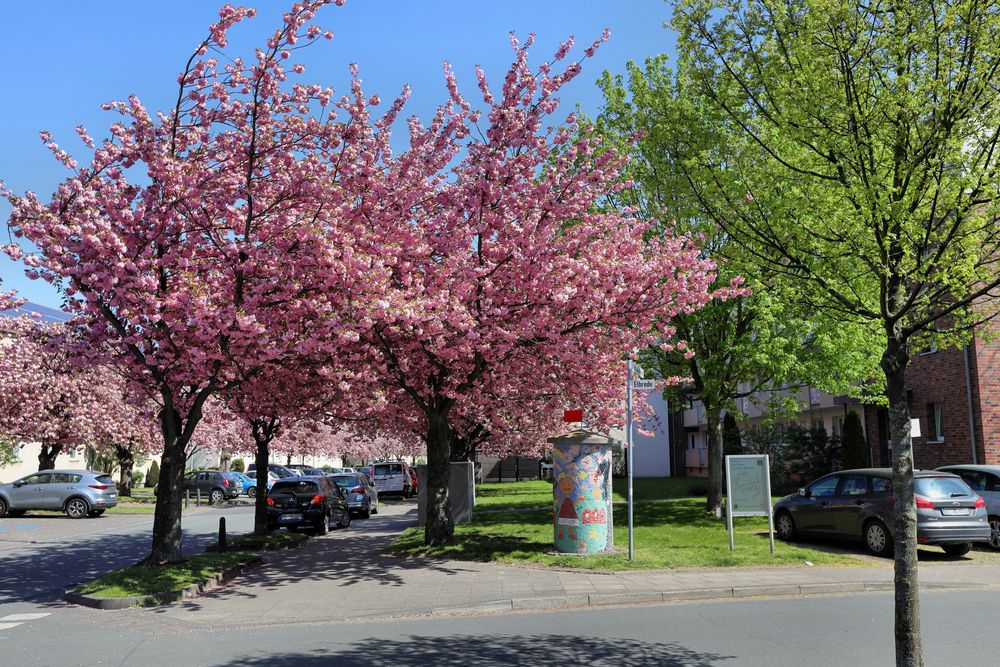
(345, 557)
(507, 650)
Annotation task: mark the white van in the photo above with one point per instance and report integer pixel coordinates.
(392, 477)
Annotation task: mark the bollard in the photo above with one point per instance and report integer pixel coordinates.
(197, 498)
(187, 498)
(222, 534)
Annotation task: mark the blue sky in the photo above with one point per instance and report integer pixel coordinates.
(67, 58)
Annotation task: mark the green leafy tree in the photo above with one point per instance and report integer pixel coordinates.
(238, 465)
(861, 164)
(732, 442)
(811, 452)
(153, 477)
(8, 451)
(759, 337)
(855, 449)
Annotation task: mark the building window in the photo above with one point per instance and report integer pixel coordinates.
(935, 422)
(818, 424)
(692, 441)
(838, 426)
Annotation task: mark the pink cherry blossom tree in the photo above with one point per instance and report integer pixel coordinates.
(44, 397)
(511, 281)
(193, 240)
(128, 427)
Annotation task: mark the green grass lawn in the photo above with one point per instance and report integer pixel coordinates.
(140, 580)
(529, 495)
(671, 532)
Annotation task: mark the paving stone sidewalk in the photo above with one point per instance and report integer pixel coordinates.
(344, 576)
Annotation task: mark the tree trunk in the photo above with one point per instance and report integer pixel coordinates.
(439, 529)
(715, 461)
(126, 461)
(167, 519)
(47, 456)
(909, 651)
(260, 502)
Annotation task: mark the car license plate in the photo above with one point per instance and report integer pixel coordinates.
(290, 518)
(112, 496)
(962, 511)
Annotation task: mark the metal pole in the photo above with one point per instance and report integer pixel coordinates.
(628, 458)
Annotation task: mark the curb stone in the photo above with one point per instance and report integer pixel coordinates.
(689, 595)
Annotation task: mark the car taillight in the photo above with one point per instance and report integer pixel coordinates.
(100, 487)
(980, 502)
(318, 499)
(270, 501)
(359, 489)
(923, 503)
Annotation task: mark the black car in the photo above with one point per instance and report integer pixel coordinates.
(307, 502)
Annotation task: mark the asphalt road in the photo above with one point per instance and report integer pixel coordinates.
(42, 555)
(959, 629)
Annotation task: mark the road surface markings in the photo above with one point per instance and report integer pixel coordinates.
(14, 620)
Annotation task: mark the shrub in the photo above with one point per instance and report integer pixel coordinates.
(153, 477)
(238, 465)
(137, 476)
(811, 453)
(855, 449)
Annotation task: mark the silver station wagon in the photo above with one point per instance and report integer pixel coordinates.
(78, 493)
(859, 504)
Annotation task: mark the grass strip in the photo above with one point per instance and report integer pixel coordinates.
(143, 580)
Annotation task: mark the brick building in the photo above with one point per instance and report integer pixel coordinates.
(954, 395)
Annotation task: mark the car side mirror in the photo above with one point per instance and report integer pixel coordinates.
(18, 484)
(804, 492)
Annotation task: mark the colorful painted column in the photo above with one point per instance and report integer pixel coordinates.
(581, 495)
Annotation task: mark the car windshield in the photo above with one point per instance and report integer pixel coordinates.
(304, 486)
(347, 481)
(941, 487)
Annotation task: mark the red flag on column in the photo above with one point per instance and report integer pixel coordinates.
(573, 415)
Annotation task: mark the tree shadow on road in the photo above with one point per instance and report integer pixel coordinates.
(504, 650)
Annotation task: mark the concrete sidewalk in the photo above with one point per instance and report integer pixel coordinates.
(342, 577)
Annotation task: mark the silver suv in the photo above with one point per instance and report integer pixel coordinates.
(79, 493)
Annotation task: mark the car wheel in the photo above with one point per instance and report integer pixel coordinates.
(877, 538)
(345, 519)
(323, 527)
(252, 492)
(77, 508)
(216, 496)
(93, 514)
(956, 550)
(994, 532)
(375, 509)
(784, 526)
(3, 507)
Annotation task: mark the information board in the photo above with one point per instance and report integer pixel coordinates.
(748, 490)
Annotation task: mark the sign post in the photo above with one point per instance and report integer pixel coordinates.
(628, 457)
(748, 491)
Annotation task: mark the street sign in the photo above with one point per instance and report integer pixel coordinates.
(645, 385)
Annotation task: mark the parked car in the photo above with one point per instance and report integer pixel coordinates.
(78, 493)
(248, 485)
(280, 471)
(216, 485)
(392, 477)
(984, 480)
(858, 504)
(307, 502)
(362, 497)
(305, 470)
(271, 478)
